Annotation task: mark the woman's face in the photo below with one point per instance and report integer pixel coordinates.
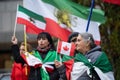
(43, 43)
(80, 44)
(22, 49)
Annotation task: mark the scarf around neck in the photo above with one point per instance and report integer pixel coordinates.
(43, 50)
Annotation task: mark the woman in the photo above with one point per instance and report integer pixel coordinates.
(68, 61)
(72, 37)
(46, 53)
(20, 71)
(91, 63)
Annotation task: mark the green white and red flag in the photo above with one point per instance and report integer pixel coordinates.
(31, 60)
(68, 61)
(64, 16)
(34, 59)
(34, 22)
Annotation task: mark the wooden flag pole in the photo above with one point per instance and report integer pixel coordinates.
(25, 42)
(15, 22)
(25, 38)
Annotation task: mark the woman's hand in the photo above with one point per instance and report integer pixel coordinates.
(14, 40)
(58, 64)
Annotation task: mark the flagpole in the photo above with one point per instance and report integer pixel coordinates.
(90, 14)
(57, 49)
(15, 22)
(25, 42)
(25, 38)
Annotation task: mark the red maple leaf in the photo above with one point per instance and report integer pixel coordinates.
(66, 48)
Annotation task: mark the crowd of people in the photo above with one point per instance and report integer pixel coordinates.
(89, 61)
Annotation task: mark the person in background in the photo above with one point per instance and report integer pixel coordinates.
(20, 71)
(72, 37)
(68, 61)
(91, 63)
(46, 53)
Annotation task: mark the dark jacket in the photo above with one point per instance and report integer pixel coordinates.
(57, 74)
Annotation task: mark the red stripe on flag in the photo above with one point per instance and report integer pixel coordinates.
(59, 46)
(72, 49)
(117, 2)
(69, 65)
(49, 69)
(54, 29)
(30, 28)
(24, 57)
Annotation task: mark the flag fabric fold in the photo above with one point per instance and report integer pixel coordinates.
(31, 60)
(102, 66)
(68, 61)
(35, 60)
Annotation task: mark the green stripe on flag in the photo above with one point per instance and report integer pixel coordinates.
(103, 63)
(31, 14)
(79, 57)
(77, 10)
(67, 58)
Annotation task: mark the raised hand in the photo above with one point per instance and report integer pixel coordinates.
(14, 40)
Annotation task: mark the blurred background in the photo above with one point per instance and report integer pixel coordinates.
(7, 23)
(110, 32)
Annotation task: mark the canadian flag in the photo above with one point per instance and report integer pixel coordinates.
(66, 48)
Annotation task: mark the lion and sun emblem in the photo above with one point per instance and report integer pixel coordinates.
(64, 18)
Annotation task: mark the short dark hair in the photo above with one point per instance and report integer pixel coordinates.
(72, 35)
(48, 36)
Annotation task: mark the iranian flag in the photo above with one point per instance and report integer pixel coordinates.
(36, 61)
(117, 2)
(66, 48)
(35, 23)
(31, 60)
(64, 16)
(102, 66)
